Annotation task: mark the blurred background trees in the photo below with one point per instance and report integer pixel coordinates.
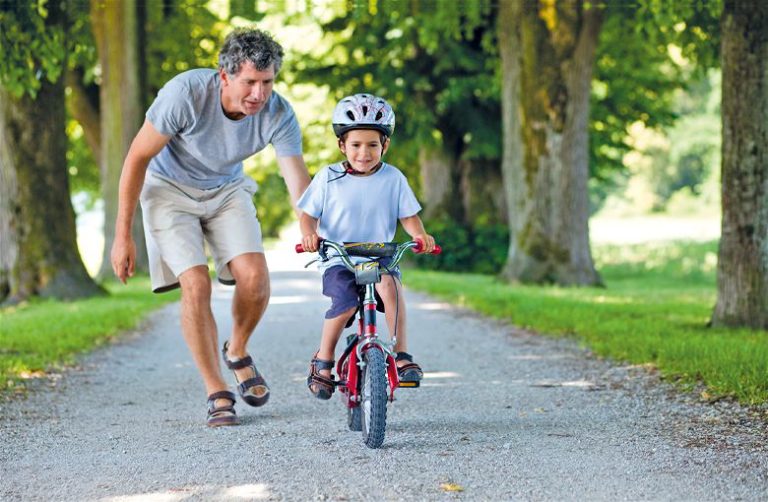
(517, 120)
(37, 223)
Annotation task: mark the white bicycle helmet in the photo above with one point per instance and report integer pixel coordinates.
(363, 111)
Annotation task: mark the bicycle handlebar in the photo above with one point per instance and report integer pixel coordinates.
(416, 249)
(416, 245)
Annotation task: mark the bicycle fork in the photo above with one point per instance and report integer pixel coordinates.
(367, 339)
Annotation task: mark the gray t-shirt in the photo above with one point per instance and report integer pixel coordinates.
(207, 148)
(358, 208)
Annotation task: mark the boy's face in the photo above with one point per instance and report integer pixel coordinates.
(247, 92)
(363, 149)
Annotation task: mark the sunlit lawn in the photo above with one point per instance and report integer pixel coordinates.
(654, 310)
(43, 335)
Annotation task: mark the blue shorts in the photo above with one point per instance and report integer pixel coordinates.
(340, 286)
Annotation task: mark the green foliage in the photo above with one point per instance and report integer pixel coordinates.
(43, 335)
(694, 27)
(271, 201)
(435, 66)
(180, 35)
(633, 82)
(675, 168)
(81, 166)
(482, 249)
(441, 72)
(32, 45)
(694, 142)
(654, 311)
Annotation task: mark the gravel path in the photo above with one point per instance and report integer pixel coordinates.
(502, 415)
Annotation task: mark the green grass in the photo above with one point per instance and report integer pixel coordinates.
(654, 310)
(40, 336)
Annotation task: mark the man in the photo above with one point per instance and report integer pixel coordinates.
(185, 165)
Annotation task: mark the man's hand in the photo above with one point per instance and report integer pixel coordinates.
(123, 257)
(310, 242)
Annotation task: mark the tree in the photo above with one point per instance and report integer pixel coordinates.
(742, 273)
(118, 27)
(551, 47)
(37, 224)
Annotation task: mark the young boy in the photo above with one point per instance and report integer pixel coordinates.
(359, 200)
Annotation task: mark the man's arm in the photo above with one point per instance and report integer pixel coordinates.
(296, 177)
(147, 143)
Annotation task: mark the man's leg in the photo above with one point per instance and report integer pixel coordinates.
(248, 305)
(199, 327)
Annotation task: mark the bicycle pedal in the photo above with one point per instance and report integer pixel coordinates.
(412, 385)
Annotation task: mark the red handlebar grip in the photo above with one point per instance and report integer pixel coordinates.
(419, 248)
(299, 248)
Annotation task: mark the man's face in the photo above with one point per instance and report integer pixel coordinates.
(247, 92)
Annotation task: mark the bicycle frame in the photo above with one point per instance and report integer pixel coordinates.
(367, 274)
(366, 339)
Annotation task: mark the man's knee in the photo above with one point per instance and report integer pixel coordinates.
(195, 285)
(254, 285)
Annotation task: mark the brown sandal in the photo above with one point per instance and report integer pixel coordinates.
(324, 386)
(410, 374)
(222, 415)
(246, 387)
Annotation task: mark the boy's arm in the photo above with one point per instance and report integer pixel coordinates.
(415, 228)
(309, 238)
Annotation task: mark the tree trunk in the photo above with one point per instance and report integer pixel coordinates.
(512, 169)
(9, 250)
(742, 272)
(550, 238)
(117, 26)
(37, 222)
(440, 182)
(482, 193)
(84, 107)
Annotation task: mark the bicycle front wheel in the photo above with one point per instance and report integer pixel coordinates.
(374, 398)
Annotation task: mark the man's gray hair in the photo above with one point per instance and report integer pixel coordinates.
(253, 46)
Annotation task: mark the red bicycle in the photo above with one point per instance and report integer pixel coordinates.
(366, 369)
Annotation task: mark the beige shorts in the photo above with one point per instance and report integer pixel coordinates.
(179, 220)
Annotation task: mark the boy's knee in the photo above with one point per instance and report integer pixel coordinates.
(347, 313)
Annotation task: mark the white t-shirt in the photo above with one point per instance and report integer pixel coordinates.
(207, 148)
(358, 208)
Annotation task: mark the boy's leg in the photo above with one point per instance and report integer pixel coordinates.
(338, 285)
(391, 292)
(332, 329)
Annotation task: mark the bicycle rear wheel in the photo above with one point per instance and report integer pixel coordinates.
(374, 398)
(355, 419)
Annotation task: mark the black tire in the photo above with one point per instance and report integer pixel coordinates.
(373, 391)
(355, 419)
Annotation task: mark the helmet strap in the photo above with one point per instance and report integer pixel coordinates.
(348, 169)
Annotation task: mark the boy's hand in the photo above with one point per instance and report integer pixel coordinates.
(428, 240)
(310, 242)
